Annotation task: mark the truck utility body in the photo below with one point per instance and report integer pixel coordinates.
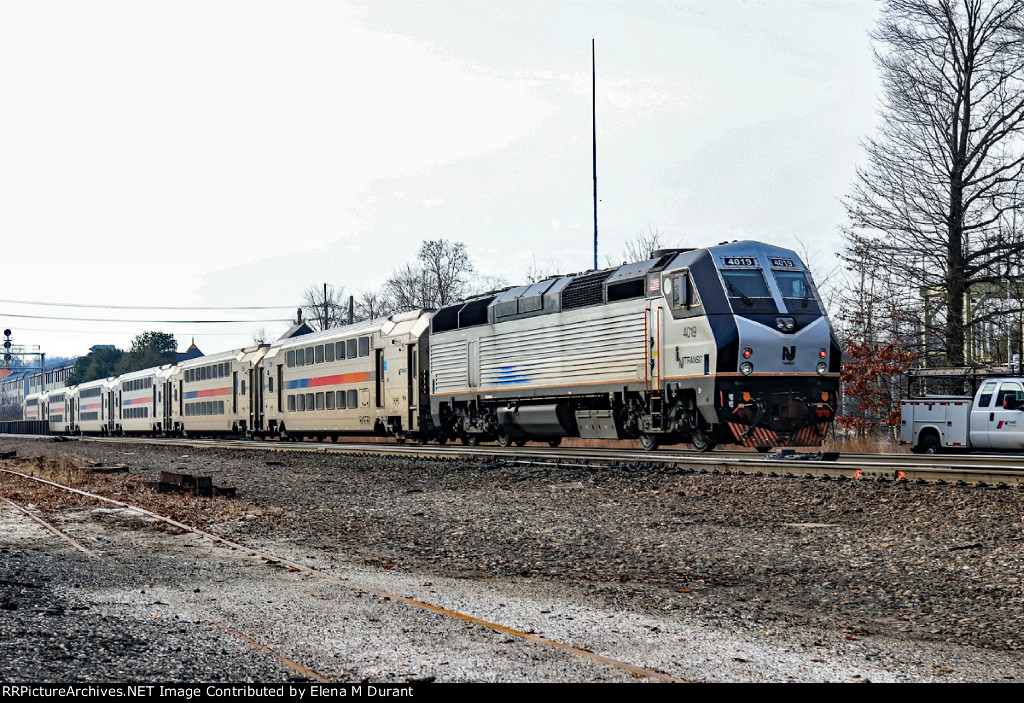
(990, 419)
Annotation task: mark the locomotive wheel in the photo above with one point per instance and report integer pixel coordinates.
(649, 442)
(700, 440)
(554, 442)
(520, 442)
(503, 439)
(471, 440)
(400, 438)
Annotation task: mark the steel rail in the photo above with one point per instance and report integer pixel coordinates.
(983, 470)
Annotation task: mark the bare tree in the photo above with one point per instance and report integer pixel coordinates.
(937, 200)
(827, 277)
(260, 335)
(373, 304)
(640, 246)
(446, 269)
(325, 307)
(441, 275)
(540, 271)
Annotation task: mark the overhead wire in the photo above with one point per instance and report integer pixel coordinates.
(155, 322)
(150, 307)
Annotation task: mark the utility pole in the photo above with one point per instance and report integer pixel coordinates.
(593, 114)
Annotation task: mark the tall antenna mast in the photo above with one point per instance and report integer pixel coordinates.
(593, 113)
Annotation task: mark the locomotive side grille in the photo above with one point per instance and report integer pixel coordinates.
(449, 364)
(585, 290)
(665, 258)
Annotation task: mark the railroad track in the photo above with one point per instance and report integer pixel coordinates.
(975, 469)
(303, 670)
(807, 531)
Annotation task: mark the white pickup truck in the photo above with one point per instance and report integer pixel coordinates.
(992, 420)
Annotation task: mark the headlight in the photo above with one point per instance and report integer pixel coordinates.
(822, 368)
(785, 324)
(746, 368)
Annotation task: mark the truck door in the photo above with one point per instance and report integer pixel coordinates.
(981, 415)
(1006, 428)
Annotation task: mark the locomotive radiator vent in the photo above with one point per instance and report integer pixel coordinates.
(585, 290)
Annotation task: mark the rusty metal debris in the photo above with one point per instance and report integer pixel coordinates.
(171, 482)
(100, 468)
(793, 455)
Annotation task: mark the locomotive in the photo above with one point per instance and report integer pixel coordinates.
(727, 344)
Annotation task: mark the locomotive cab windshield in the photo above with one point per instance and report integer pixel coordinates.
(797, 291)
(747, 290)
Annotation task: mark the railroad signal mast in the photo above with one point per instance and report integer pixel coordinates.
(12, 350)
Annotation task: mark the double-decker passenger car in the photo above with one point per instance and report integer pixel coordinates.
(356, 379)
(34, 407)
(139, 401)
(57, 406)
(210, 395)
(93, 403)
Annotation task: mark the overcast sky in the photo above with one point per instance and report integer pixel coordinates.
(224, 153)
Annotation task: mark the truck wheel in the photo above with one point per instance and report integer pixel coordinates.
(930, 445)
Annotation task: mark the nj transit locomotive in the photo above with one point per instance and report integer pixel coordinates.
(727, 344)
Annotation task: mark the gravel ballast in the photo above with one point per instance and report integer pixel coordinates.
(703, 577)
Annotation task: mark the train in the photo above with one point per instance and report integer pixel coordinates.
(727, 344)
